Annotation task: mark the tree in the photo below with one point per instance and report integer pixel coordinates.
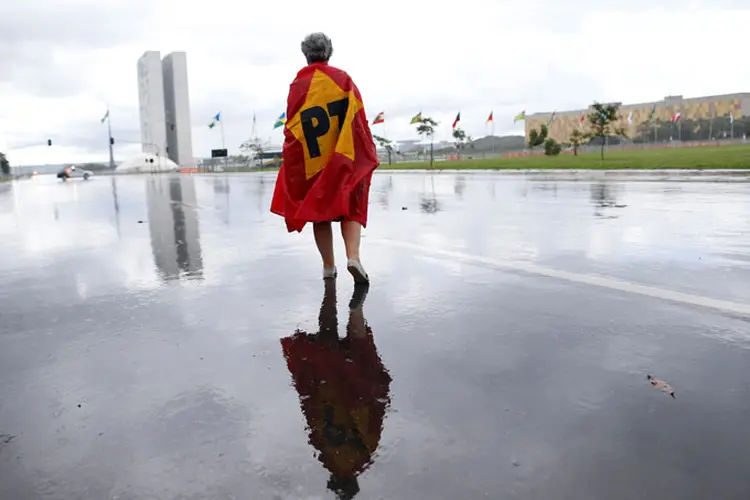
(462, 140)
(426, 128)
(551, 147)
(644, 131)
(603, 123)
(538, 138)
(577, 139)
(4, 165)
(385, 144)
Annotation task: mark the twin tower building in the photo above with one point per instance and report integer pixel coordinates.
(165, 107)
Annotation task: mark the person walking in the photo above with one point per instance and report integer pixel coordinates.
(328, 158)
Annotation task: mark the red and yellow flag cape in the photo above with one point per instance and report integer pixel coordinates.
(329, 154)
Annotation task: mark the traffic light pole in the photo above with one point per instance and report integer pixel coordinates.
(111, 142)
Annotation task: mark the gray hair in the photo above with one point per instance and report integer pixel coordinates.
(317, 47)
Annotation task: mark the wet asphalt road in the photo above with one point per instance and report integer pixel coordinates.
(164, 338)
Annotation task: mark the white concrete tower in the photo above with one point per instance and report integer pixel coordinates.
(151, 101)
(177, 109)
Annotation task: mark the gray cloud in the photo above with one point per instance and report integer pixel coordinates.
(86, 25)
(45, 47)
(32, 66)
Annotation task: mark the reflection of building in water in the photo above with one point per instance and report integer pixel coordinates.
(173, 224)
(343, 389)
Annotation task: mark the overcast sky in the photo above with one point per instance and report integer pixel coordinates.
(61, 61)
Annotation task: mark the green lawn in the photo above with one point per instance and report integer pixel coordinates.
(709, 157)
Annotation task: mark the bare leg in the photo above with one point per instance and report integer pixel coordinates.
(351, 231)
(324, 240)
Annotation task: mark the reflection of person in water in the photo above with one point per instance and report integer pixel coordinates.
(343, 389)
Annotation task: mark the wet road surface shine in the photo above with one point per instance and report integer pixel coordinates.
(148, 360)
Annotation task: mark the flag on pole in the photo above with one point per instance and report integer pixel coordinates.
(489, 118)
(519, 117)
(458, 119)
(106, 116)
(675, 117)
(652, 113)
(379, 119)
(731, 117)
(630, 118)
(552, 117)
(216, 119)
(280, 121)
(416, 118)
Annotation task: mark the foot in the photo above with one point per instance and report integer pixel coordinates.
(330, 273)
(357, 271)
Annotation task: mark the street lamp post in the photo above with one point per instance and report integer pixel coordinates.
(111, 143)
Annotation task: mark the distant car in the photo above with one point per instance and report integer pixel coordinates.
(74, 172)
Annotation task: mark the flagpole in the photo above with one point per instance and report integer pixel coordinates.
(111, 148)
(385, 136)
(492, 132)
(221, 126)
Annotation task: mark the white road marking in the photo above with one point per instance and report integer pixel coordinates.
(586, 279)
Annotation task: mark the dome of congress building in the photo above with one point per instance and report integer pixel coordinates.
(145, 162)
(695, 108)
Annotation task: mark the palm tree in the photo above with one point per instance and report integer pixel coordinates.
(426, 128)
(577, 138)
(385, 144)
(461, 140)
